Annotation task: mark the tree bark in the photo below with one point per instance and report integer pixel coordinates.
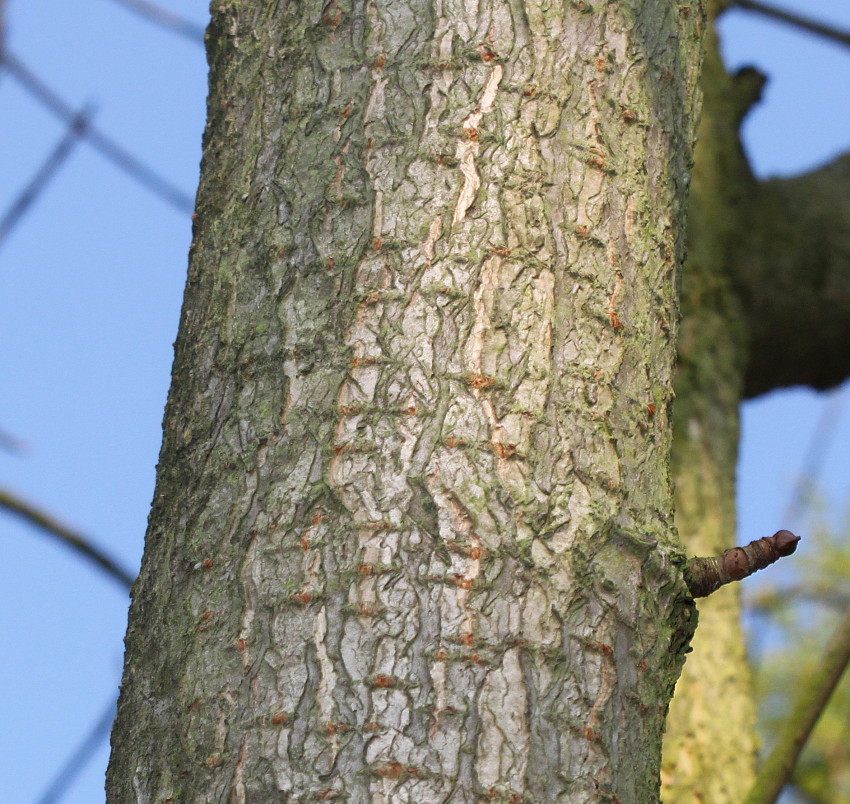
(412, 535)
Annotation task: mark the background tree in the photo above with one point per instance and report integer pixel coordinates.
(766, 259)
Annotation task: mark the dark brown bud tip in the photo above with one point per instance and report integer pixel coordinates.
(786, 542)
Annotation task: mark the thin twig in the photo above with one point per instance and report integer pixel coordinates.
(99, 141)
(811, 700)
(165, 19)
(28, 196)
(819, 28)
(80, 758)
(68, 537)
(821, 441)
(11, 443)
(767, 601)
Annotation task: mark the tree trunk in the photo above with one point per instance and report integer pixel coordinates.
(412, 535)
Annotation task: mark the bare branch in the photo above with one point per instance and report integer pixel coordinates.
(28, 196)
(107, 147)
(165, 18)
(80, 758)
(68, 537)
(706, 575)
(768, 601)
(811, 700)
(11, 443)
(819, 28)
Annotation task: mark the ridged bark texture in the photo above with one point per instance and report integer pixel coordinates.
(412, 536)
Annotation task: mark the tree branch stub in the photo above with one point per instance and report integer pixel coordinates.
(707, 575)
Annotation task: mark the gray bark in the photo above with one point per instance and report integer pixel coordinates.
(412, 535)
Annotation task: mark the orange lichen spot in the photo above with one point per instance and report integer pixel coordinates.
(503, 450)
(329, 263)
(302, 597)
(377, 243)
(479, 381)
(581, 230)
(441, 655)
(206, 615)
(380, 61)
(346, 111)
(318, 516)
(471, 134)
(466, 639)
(597, 160)
(439, 159)
(615, 320)
(487, 55)
(372, 726)
(605, 650)
(332, 17)
(213, 761)
(628, 116)
(303, 543)
(650, 409)
(375, 295)
(340, 448)
(365, 569)
(395, 770)
(530, 91)
(324, 795)
(475, 658)
(207, 563)
(366, 609)
(411, 410)
(383, 681)
(242, 643)
(462, 581)
(453, 442)
(502, 251)
(279, 719)
(390, 770)
(591, 735)
(476, 552)
(600, 64)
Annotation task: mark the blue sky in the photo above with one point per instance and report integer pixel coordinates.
(90, 290)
